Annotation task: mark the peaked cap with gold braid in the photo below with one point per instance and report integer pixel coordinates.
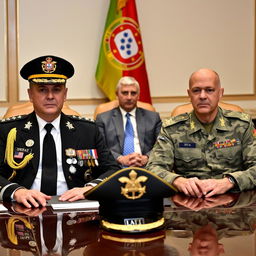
(131, 200)
(47, 69)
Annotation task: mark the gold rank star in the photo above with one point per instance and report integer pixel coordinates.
(28, 125)
(69, 125)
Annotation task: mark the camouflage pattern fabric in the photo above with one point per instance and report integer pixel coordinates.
(184, 148)
(226, 223)
(237, 220)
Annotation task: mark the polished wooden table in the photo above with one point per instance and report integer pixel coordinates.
(223, 225)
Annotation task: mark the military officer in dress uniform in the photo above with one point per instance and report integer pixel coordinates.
(47, 152)
(210, 150)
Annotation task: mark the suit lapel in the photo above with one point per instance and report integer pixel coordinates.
(140, 127)
(118, 124)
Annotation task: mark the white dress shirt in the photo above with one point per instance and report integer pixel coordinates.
(61, 182)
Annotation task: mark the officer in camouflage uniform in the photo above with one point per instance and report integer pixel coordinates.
(210, 150)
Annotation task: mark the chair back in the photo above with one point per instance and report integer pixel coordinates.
(114, 103)
(27, 107)
(186, 108)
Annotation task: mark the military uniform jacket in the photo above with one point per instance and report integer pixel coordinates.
(184, 148)
(76, 133)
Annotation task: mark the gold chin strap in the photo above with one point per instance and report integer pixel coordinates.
(132, 240)
(9, 153)
(138, 227)
(10, 228)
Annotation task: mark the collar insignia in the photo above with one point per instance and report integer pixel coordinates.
(69, 125)
(28, 125)
(222, 122)
(192, 125)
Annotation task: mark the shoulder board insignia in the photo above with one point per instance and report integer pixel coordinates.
(174, 120)
(13, 118)
(235, 114)
(81, 118)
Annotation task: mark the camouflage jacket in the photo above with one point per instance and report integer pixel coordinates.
(236, 219)
(184, 148)
(227, 223)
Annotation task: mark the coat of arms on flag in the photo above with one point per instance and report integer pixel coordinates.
(121, 52)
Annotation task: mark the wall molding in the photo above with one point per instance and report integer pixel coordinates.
(13, 73)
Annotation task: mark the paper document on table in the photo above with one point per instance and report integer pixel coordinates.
(81, 204)
(3, 208)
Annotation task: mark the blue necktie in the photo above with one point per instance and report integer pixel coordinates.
(128, 137)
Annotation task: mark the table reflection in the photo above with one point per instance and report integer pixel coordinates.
(208, 220)
(151, 244)
(194, 226)
(48, 234)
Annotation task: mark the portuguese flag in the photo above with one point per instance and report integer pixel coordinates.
(121, 52)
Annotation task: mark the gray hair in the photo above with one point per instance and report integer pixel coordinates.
(127, 80)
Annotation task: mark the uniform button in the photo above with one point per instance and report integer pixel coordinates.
(69, 177)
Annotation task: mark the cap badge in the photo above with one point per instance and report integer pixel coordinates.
(49, 65)
(133, 189)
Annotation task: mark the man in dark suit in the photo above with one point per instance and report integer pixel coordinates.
(145, 125)
(32, 168)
